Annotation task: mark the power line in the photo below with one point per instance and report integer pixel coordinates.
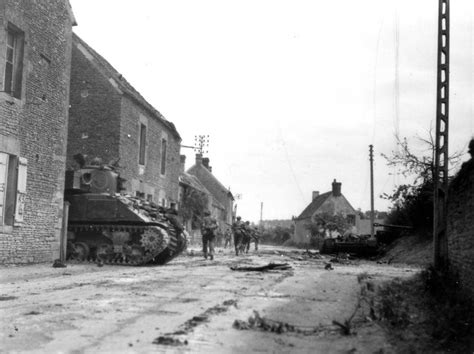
(289, 162)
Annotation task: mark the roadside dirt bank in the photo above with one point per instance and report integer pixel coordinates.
(189, 305)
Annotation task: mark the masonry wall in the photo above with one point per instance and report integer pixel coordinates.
(94, 115)
(461, 225)
(34, 126)
(148, 179)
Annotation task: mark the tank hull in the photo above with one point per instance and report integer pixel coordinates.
(119, 230)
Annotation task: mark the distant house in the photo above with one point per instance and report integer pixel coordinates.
(222, 198)
(109, 119)
(332, 202)
(272, 224)
(190, 189)
(35, 64)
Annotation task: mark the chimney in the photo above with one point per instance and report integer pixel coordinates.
(182, 160)
(198, 159)
(336, 188)
(205, 162)
(315, 194)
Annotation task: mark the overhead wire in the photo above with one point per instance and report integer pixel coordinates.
(397, 90)
(290, 165)
(374, 91)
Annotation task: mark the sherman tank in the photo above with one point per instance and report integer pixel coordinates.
(109, 227)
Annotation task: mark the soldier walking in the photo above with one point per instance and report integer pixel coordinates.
(208, 227)
(247, 231)
(237, 229)
(255, 237)
(227, 237)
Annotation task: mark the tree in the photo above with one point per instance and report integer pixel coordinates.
(413, 200)
(277, 235)
(193, 203)
(327, 222)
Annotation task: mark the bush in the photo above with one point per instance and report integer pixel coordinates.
(277, 236)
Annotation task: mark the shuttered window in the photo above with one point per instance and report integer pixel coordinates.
(20, 191)
(13, 172)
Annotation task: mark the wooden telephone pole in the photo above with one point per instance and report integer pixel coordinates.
(440, 178)
(371, 158)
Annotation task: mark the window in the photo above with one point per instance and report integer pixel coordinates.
(351, 219)
(12, 189)
(13, 61)
(163, 156)
(142, 152)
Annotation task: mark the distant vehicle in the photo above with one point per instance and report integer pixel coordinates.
(353, 244)
(361, 245)
(111, 228)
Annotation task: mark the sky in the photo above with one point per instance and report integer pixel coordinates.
(290, 92)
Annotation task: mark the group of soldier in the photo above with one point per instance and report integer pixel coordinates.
(242, 232)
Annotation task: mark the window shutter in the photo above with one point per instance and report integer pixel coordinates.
(21, 190)
(3, 184)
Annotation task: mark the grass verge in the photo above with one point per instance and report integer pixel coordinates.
(426, 313)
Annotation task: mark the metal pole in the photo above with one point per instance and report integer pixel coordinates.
(440, 177)
(261, 213)
(371, 158)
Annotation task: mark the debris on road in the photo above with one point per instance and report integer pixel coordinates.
(269, 266)
(164, 340)
(328, 266)
(189, 325)
(6, 298)
(32, 313)
(257, 322)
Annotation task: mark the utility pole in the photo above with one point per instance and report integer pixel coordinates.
(440, 178)
(261, 213)
(371, 158)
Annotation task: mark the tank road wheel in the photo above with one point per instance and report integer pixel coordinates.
(137, 254)
(104, 252)
(152, 240)
(81, 251)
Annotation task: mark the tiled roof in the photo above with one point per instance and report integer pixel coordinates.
(314, 205)
(110, 72)
(210, 182)
(193, 182)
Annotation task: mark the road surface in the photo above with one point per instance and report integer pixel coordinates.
(190, 305)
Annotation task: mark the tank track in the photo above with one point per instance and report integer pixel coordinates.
(158, 245)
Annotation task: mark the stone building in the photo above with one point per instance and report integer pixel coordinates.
(332, 202)
(222, 198)
(461, 223)
(35, 59)
(109, 119)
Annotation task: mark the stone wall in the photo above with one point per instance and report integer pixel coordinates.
(148, 178)
(34, 125)
(461, 225)
(94, 116)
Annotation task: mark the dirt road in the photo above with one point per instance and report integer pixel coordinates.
(189, 305)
